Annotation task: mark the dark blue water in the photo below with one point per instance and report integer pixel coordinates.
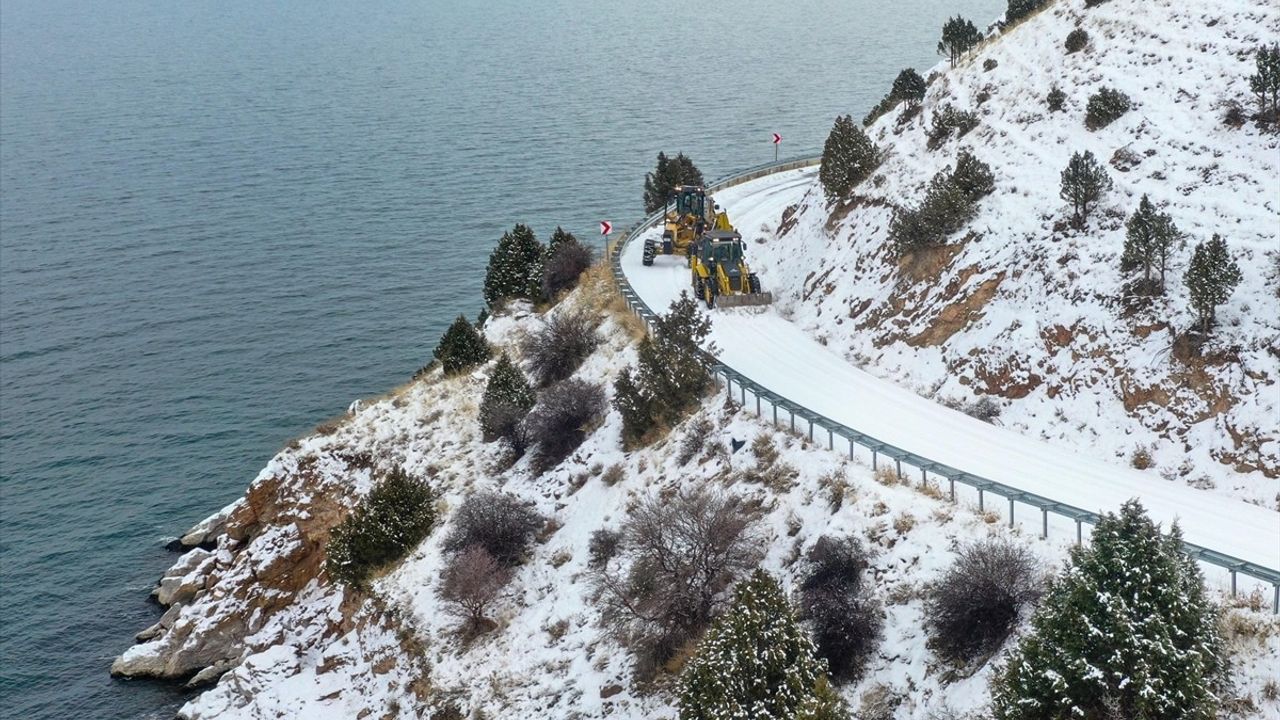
(222, 221)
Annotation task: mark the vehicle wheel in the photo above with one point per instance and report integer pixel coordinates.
(753, 283)
(649, 251)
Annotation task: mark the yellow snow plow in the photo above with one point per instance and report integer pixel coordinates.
(717, 262)
(689, 213)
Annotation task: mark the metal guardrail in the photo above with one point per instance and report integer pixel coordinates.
(1233, 565)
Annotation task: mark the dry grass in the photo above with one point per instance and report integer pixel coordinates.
(904, 523)
(835, 485)
(613, 475)
(932, 490)
(888, 476)
(599, 291)
(1141, 458)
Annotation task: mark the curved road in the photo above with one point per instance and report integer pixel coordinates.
(778, 355)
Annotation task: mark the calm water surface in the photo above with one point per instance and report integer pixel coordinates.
(220, 222)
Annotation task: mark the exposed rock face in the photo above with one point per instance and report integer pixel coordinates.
(267, 547)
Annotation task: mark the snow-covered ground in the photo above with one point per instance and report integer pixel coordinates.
(779, 355)
(1029, 312)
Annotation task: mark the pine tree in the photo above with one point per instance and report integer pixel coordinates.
(909, 87)
(670, 173)
(958, 37)
(1055, 99)
(390, 521)
(848, 158)
(558, 238)
(757, 663)
(1210, 278)
(973, 176)
(670, 376)
(1265, 83)
(507, 399)
(1149, 239)
(1018, 9)
(515, 267)
(1083, 182)
(461, 347)
(1105, 107)
(1125, 631)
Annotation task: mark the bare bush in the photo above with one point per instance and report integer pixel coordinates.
(695, 439)
(471, 582)
(1141, 458)
(556, 351)
(974, 607)
(498, 522)
(566, 262)
(562, 418)
(846, 626)
(678, 556)
(613, 475)
(603, 546)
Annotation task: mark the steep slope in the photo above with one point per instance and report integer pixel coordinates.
(1024, 309)
(259, 607)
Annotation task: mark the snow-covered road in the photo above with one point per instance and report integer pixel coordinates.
(778, 355)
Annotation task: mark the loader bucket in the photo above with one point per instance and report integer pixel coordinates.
(744, 300)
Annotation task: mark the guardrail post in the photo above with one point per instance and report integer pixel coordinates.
(952, 482)
(793, 419)
(1044, 523)
(1079, 533)
(1233, 582)
(758, 414)
(831, 439)
(875, 457)
(980, 499)
(924, 476)
(728, 386)
(775, 412)
(743, 388)
(850, 448)
(897, 462)
(810, 430)
(1010, 512)
(1275, 604)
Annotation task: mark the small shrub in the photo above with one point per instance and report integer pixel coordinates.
(613, 475)
(1105, 107)
(389, 522)
(976, 604)
(603, 547)
(904, 523)
(557, 349)
(763, 449)
(1055, 99)
(990, 64)
(566, 260)
(984, 408)
(497, 522)
(1077, 40)
(886, 475)
(565, 413)
(461, 347)
(678, 555)
(949, 120)
(470, 582)
(695, 439)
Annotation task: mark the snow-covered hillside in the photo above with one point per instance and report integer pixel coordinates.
(298, 645)
(1026, 310)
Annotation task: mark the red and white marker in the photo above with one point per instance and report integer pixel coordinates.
(777, 138)
(606, 227)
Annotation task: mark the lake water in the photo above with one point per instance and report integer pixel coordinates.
(220, 222)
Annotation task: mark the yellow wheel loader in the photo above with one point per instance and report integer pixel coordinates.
(720, 273)
(689, 213)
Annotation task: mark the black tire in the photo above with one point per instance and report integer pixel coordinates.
(649, 251)
(753, 284)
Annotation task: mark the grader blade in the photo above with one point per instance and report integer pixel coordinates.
(745, 300)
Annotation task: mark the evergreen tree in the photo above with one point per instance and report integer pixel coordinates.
(390, 521)
(757, 663)
(959, 36)
(1125, 631)
(669, 173)
(848, 158)
(507, 399)
(1149, 239)
(1105, 107)
(972, 176)
(1265, 83)
(1018, 9)
(1210, 278)
(670, 376)
(1083, 182)
(1056, 98)
(908, 86)
(461, 347)
(558, 238)
(515, 267)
